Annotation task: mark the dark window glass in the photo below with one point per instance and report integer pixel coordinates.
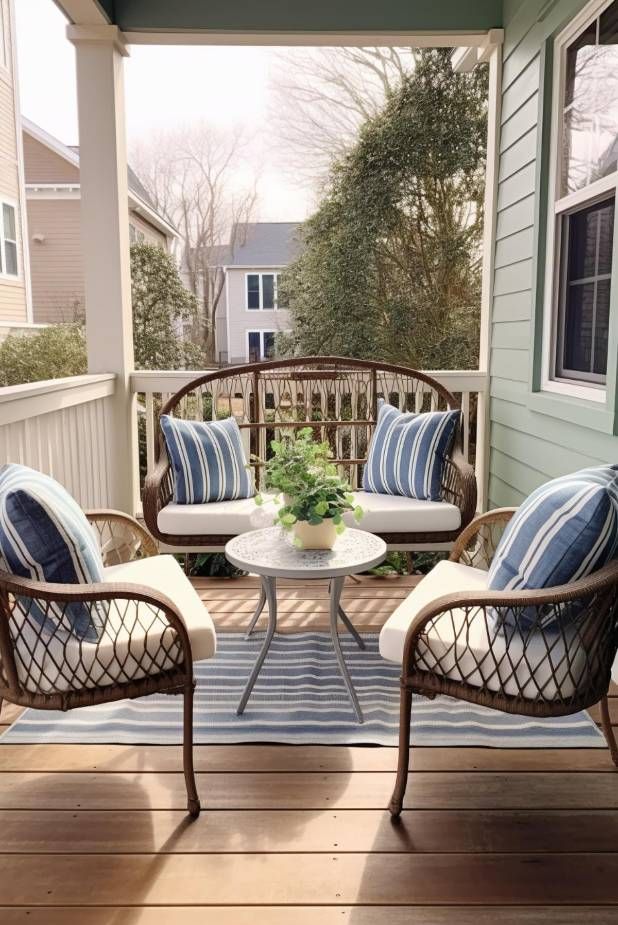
(254, 346)
(269, 344)
(253, 290)
(268, 290)
(586, 287)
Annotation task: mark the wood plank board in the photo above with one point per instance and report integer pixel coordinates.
(302, 831)
(315, 879)
(356, 790)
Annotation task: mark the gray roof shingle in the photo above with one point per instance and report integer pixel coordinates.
(266, 244)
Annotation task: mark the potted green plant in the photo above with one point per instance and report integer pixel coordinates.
(315, 497)
(315, 513)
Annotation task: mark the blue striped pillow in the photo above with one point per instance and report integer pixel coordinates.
(565, 530)
(45, 536)
(208, 460)
(407, 453)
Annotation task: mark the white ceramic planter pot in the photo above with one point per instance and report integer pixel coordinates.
(316, 536)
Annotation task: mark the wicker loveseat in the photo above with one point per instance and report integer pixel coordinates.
(338, 397)
(448, 639)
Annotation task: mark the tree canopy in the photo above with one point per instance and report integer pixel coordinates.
(391, 265)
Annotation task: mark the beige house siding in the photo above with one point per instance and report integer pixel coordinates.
(241, 320)
(13, 296)
(54, 225)
(44, 166)
(56, 259)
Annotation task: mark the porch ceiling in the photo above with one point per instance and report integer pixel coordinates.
(347, 16)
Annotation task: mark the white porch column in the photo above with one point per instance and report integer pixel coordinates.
(105, 238)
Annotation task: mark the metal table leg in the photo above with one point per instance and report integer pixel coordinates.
(258, 611)
(335, 612)
(269, 586)
(360, 642)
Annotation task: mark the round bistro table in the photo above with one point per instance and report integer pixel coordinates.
(271, 554)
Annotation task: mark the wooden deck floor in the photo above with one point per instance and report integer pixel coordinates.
(96, 835)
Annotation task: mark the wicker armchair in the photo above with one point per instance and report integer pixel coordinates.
(338, 398)
(144, 646)
(544, 670)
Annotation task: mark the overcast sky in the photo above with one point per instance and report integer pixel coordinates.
(165, 86)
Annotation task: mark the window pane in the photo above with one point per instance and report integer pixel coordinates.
(253, 291)
(10, 250)
(268, 290)
(269, 344)
(590, 149)
(601, 327)
(591, 240)
(577, 355)
(8, 214)
(280, 300)
(254, 346)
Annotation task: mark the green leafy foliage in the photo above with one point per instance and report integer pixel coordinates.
(293, 456)
(391, 267)
(323, 496)
(161, 304)
(52, 353)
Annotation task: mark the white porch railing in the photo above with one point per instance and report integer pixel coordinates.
(62, 427)
(157, 386)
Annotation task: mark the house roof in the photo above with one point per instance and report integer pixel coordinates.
(265, 244)
(138, 196)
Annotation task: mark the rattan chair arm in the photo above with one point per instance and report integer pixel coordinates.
(153, 498)
(497, 515)
(466, 484)
(100, 591)
(103, 516)
(585, 587)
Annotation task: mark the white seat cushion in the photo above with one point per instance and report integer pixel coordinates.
(519, 663)
(225, 518)
(396, 514)
(132, 630)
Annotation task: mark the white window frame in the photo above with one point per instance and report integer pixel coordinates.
(5, 35)
(260, 274)
(261, 332)
(9, 277)
(558, 207)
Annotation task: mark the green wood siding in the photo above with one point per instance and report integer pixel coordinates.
(309, 16)
(527, 447)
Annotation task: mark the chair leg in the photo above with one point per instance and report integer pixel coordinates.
(193, 800)
(608, 731)
(405, 714)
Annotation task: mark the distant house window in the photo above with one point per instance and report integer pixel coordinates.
(260, 345)
(135, 235)
(262, 291)
(8, 241)
(581, 231)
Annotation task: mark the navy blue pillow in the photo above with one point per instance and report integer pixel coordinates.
(45, 536)
(407, 453)
(565, 530)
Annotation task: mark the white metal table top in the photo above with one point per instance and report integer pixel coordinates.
(271, 552)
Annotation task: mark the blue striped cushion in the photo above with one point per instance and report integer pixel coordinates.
(45, 536)
(208, 460)
(565, 530)
(407, 453)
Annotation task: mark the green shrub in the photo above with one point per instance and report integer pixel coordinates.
(52, 353)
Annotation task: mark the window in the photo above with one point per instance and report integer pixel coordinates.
(260, 345)
(8, 241)
(4, 34)
(135, 236)
(582, 215)
(262, 291)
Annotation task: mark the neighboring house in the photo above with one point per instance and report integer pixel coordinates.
(52, 195)
(249, 313)
(15, 308)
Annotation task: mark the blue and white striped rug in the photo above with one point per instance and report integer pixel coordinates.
(299, 699)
